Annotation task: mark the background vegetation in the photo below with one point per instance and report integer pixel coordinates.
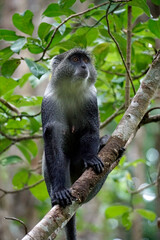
(128, 205)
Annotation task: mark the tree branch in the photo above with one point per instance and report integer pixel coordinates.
(18, 220)
(18, 139)
(134, 77)
(155, 118)
(57, 217)
(9, 105)
(141, 189)
(4, 192)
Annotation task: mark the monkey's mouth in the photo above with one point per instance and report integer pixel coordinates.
(82, 74)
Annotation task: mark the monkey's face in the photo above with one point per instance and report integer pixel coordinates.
(80, 63)
(73, 67)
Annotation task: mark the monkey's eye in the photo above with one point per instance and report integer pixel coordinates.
(85, 59)
(75, 59)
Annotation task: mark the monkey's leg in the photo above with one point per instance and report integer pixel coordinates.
(56, 165)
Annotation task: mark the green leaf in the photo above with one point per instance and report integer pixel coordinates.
(90, 34)
(142, 61)
(134, 163)
(116, 211)
(31, 146)
(40, 191)
(24, 151)
(9, 67)
(35, 49)
(24, 22)
(58, 37)
(20, 179)
(35, 68)
(122, 43)
(156, 2)
(20, 101)
(146, 214)
(5, 53)
(8, 35)
(10, 160)
(126, 221)
(43, 30)
(28, 148)
(141, 4)
(66, 3)
(18, 45)
(4, 143)
(34, 125)
(16, 124)
(6, 85)
(54, 10)
(24, 79)
(82, 1)
(154, 26)
(100, 52)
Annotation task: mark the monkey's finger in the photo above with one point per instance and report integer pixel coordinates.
(86, 165)
(98, 165)
(54, 202)
(58, 199)
(97, 168)
(121, 152)
(64, 197)
(69, 196)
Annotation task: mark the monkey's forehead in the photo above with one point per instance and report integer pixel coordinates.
(71, 52)
(78, 51)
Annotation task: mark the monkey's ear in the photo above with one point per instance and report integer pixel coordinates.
(57, 59)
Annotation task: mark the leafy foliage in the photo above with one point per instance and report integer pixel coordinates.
(20, 122)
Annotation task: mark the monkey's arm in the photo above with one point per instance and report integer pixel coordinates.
(89, 142)
(56, 165)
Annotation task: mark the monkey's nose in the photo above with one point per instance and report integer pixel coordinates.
(83, 66)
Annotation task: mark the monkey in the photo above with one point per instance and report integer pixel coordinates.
(70, 122)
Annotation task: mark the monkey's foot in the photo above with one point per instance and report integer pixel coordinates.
(63, 198)
(95, 163)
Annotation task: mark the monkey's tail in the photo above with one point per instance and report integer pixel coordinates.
(70, 229)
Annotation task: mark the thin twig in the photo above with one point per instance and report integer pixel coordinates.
(5, 149)
(140, 75)
(9, 105)
(108, 120)
(27, 115)
(73, 16)
(5, 192)
(143, 188)
(128, 57)
(20, 221)
(113, 73)
(123, 74)
(18, 139)
(151, 109)
(118, 47)
(155, 118)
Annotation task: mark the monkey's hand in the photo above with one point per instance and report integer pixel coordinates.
(95, 163)
(62, 197)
